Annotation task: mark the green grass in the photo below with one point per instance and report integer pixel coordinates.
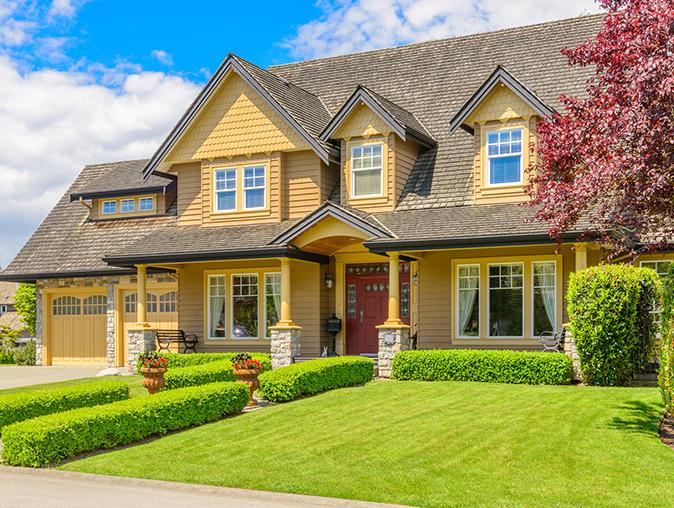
(429, 444)
(135, 388)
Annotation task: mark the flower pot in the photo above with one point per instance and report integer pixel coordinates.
(248, 377)
(153, 379)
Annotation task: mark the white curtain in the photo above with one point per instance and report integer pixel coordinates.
(466, 301)
(217, 314)
(548, 297)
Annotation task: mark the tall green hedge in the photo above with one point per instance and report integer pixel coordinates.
(209, 372)
(518, 367)
(666, 353)
(59, 436)
(610, 321)
(180, 360)
(23, 406)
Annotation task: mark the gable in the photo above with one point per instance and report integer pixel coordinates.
(362, 121)
(235, 121)
(500, 104)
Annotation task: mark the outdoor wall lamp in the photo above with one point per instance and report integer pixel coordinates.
(329, 280)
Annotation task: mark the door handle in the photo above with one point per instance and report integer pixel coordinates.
(361, 316)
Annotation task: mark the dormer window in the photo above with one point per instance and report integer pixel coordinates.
(504, 157)
(367, 170)
(146, 204)
(109, 207)
(128, 205)
(225, 190)
(240, 189)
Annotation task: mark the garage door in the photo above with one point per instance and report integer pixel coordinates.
(162, 311)
(78, 328)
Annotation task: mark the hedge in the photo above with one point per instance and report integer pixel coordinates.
(666, 353)
(53, 438)
(315, 376)
(206, 373)
(180, 360)
(517, 367)
(610, 321)
(23, 406)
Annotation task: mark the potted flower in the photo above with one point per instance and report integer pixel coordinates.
(246, 370)
(153, 366)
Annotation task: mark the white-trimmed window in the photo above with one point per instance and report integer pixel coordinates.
(225, 190)
(505, 164)
(272, 301)
(127, 205)
(544, 297)
(3, 309)
(661, 266)
(217, 303)
(109, 207)
(254, 186)
(244, 305)
(367, 170)
(468, 301)
(145, 204)
(506, 300)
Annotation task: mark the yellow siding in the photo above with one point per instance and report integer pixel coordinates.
(189, 193)
(306, 305)
(362, 121)
(160, 205)
(302, 183)
(235, 121)
(405, 156)
(500, 104)
(329, 179)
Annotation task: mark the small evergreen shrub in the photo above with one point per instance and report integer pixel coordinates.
(17, 407)
(666, 353)
(25, 355)
(517, 367)
(53, 438)
(610, 321)
(315, 376)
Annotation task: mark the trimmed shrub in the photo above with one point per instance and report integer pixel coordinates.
(53, 438)
(210, 372)
(315, 376)
(610, 321)
(178, 360)
(666, 353)
(23, 406)
(25, 355)
(517, 367)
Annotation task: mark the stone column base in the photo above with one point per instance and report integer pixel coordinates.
(140, 340)
(571, 351)
(285, 345)
(392, 339)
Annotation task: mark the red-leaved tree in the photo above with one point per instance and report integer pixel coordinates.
(606, 164)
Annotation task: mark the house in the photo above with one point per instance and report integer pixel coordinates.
(8, 315)
(382, 187)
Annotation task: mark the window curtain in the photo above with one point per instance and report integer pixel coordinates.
(466, 301)
(217, 315)
(548, 297)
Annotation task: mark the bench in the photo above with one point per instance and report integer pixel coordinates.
(553, 341)
(167, 337)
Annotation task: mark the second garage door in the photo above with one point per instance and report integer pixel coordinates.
(78, 328)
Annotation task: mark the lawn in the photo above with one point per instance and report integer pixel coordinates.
(429, 444)
(135, 388)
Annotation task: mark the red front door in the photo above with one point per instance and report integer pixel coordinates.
(367, 304)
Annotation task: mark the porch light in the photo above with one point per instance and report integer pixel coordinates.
(329, 280)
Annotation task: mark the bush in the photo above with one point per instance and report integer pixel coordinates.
(610, 321)
(666, 353)
(177, 360)
(209, 372)
(23, 406)
(8, 338)
(25, 355)
(315, 376)
(25, 302)
(56, 437)
(517, 367)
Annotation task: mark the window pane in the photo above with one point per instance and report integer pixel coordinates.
(505, 169)
(226, 200)
(469, 301)
(516, 135)
(545, 299)
(244, 306)
(145, 204)
(254, 198)
(128, 205)
(505, 300)
(216, 306)
(109, 206)
(225, 179)
(272, 293)
(492, 137)
(367, 182)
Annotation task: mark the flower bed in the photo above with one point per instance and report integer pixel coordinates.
(180, 360)
(56, 437)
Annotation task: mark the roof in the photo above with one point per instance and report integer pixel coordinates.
(126, 179)
(68, 244)
(7, 292)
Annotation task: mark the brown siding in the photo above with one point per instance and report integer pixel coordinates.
(329, 179)
(405, 156)
(305, 305)
(302, 183)
(189, 193)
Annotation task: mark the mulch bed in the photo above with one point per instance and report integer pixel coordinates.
(667, 431)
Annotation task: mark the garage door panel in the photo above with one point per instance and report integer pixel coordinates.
(78, 328)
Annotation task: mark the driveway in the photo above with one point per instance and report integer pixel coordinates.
(49, 488)
(12, 376)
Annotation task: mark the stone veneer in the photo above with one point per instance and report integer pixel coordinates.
(571, 351)
(140, 340)
(285, 345)
(392, 339)
(110, 282)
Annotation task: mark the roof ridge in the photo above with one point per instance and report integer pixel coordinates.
(96, 164)
(441, 40)
(371, 91)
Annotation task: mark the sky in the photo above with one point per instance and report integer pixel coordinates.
(91, 81)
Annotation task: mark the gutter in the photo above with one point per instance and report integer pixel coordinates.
(33, 277)
(121, 192)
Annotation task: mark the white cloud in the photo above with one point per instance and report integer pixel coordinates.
(358, 25)
(16, 33)
(162, 56)
(55, 122)
(63, 8)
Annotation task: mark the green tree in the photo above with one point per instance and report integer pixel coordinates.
(25, 302)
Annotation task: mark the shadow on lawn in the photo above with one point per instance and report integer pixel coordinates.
(638, 417)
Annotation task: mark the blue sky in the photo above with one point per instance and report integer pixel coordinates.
(90, 81)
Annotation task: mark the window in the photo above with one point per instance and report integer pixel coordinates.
(225, 190)
(130, 302)
(109, 207)
(253, 187)
(127, 205)
(67, 306)
(660, 267)
(216, 306)
(272, 297)
(167, 302)
(244, 306)
(504, 157)
(95, 305)
(3, 309)
(366, 170)
(468, 300)
(545, 297)
(145, 204)
(505, 300)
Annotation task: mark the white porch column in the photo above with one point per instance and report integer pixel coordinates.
(581, 256)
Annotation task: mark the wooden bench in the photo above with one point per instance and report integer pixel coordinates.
(167, 337)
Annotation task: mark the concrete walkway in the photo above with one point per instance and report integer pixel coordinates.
(12, 376)
(48, 488)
